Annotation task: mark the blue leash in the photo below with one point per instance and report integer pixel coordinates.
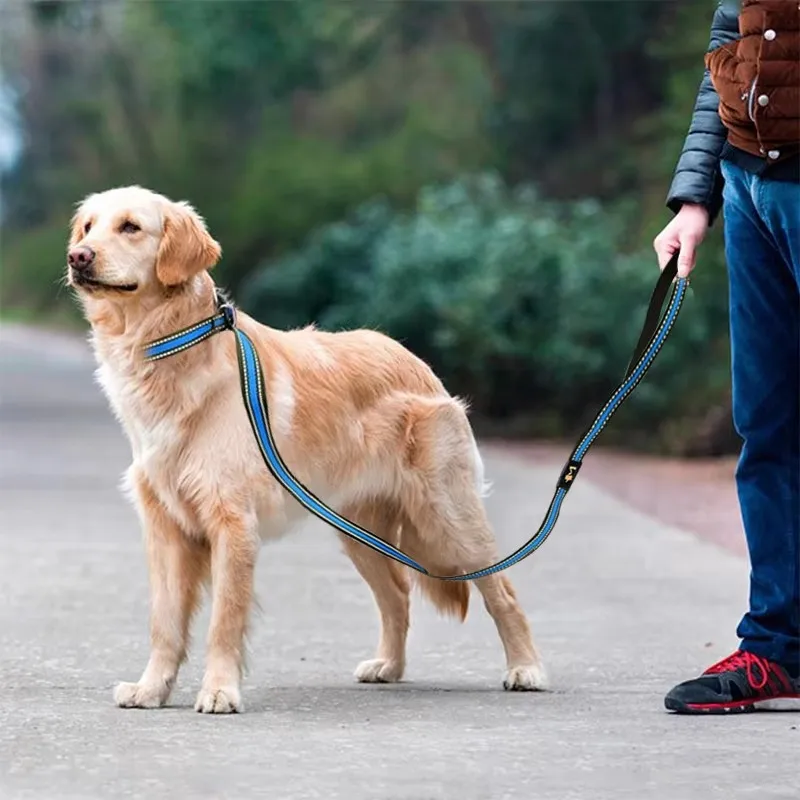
(654, 333)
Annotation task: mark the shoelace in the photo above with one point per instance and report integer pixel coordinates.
(742, 658)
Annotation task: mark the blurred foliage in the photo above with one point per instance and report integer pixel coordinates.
(418, 167)
(524, 306)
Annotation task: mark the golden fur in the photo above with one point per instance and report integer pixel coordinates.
(360, 420)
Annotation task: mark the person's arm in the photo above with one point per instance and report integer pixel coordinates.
(697, 179)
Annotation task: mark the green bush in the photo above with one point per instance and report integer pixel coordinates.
(523, 306)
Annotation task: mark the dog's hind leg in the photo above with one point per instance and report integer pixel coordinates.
(178, 567)
(525, 671)
(450, 532)
(390, 586)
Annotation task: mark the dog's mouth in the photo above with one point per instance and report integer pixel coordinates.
(85, 282)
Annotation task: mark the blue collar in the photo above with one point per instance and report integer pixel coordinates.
(223, 320)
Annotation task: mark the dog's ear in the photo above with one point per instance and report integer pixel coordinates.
(186, 246)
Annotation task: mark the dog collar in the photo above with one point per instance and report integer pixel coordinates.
(223, 320)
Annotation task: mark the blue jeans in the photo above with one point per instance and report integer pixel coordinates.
(762, 248)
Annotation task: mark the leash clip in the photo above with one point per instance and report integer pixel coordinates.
(225, 307)
(229, 315)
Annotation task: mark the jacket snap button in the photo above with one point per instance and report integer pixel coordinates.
(769, 35)
(763, 100)
(773, 154)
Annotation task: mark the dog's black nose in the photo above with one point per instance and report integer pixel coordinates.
(81, 258)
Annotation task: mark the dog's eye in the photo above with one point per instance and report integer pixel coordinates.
(86, 228)
(129, 227)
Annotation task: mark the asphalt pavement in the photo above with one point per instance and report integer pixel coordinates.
(621, 608)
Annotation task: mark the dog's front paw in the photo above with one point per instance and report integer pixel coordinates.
(219, 700)
(140, 695)
(526, 678)
(379, 670)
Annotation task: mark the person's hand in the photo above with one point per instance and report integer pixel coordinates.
(686, 230)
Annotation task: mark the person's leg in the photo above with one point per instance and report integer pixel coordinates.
(765, 340)
(765, 357)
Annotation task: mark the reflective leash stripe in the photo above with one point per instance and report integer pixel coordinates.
(183, 340)
(655, 331)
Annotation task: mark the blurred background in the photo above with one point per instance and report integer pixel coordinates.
(482, 180)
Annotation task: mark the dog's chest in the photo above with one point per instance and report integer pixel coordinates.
(158, 441)
(158, 447)
(160, 454)
(154, 437)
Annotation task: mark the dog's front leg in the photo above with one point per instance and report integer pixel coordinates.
(234, 549)
(178, 566)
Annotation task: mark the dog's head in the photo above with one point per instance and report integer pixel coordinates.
(129, 242)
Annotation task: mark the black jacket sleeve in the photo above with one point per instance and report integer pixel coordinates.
(697, 176)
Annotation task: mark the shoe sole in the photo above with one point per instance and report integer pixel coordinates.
(783, 703)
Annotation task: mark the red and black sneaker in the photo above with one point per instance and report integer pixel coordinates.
(740, 682)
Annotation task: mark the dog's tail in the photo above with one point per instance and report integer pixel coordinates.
(450, 598)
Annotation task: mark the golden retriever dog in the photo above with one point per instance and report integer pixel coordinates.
(359, 419)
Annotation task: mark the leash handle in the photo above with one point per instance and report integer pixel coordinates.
(655, 331)
(667, 276)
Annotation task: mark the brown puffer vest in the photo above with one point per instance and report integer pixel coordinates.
(757, 79)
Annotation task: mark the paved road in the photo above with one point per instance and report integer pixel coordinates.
(621, 607)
